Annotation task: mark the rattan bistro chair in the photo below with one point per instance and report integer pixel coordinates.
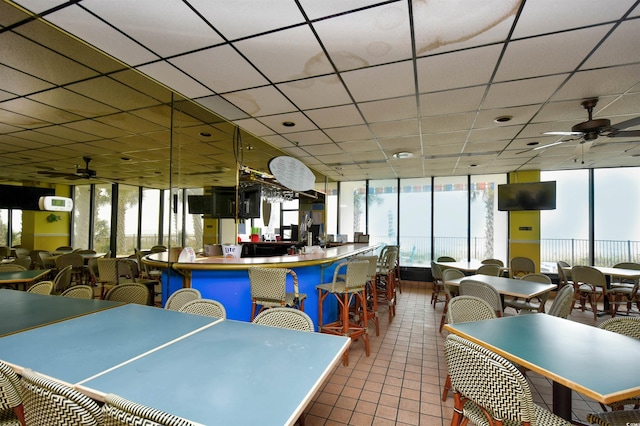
(129, 293)
(490, 390)
(42, 287)
(49, 403)
(535, 304)
(489, 269)
(269, 289)
(11, 407)
(466, 309)
(590, 285)
(520, 266)
(81, 291)
(488, 293)
(290, 318)
(118, 411)
(561, 306)
(180, 297)
(449, 291)
(615, 418)
(205, 307)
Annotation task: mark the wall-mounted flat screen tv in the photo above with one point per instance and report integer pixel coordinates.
(527, 196)
(249, 202)
(200, 204)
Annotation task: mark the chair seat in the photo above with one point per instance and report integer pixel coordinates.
(520, 304)
(615, 418)
(8, 418)
(339, 287)
(543, 417)
(588, 289)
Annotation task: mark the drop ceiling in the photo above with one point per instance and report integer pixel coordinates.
(175, 93)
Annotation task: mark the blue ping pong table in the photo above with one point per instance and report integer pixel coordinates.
(203, 369)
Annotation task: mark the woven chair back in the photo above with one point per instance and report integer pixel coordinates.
(484, 291)
(80, 291)
(489, 269)
(268, 284)
(118, 411)
(50, 403)
(285, 318)
(561, 306)
(469, 308)
(504, 392)
(628, 326)
(520, 266)
(205, 307)
(42, 287)
(129, 293)
(178, 299)
(9, 388)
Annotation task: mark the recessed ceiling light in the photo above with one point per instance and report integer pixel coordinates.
(503, 119)
(125, 158)
(205, 134)
(402, 154)
(288, 123)
(534, 143)
(473, 165)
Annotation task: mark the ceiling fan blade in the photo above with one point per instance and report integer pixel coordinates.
(628, 123)
(57, 174)
(625, 134)
(564, 133)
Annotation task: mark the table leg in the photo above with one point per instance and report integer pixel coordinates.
(562, 401)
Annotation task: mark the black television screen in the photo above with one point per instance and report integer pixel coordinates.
(249, 202)
(224, 202)
(527, 196)
(22, 197)
(200, 204)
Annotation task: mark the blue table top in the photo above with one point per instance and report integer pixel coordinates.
(509, 286)
(81, 347)
(231, 373)
(21, 311)
(598, 363)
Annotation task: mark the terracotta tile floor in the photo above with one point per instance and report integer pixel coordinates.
(400, 383)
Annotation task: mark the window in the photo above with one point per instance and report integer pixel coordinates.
(489, 227)
(383, 201)
(150, 218)
(415, 222)
(450, 217)
(81, 216)
(564, 232)
(101, 219)
(616, 225)
(352, 208)
(128, 215)
(193, 226)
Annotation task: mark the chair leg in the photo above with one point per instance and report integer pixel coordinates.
(447, 386)
(444, 315)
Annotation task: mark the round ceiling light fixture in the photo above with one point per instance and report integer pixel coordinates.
(402, 154)
(534, 143)
(502, 119)
(288, 123)
(292, 173)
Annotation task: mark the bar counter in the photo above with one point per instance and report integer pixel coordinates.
(227, 280)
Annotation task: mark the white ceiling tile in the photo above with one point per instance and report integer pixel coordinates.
(323, 149)
(447, 123)
(557, 53)
(84, 25)
(545, 16)
(254, 126)
(616, 49)
(520, 115)
(312, 137)
(385, 81)
(441, 25)
(222, 107)
(383, 36)
(495, 134)
(600, 82)
(298, 54)
(452, 101)
(319, 9)
(219, 68)
(39, 6)
(449, 138)
(302, 123)
(316, 92)
(523, 92)
(180, 82)
(453, 70)
(260, 101)
(349, 133)
(390, 109)
(340, 116)
(236, 19)
(368, 145)
(168, 28)
(395, 128)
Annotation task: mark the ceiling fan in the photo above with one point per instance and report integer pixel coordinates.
(85, 173)
(590, 130)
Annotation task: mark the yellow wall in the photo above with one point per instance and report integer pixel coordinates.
(524, 226)
(47, 230)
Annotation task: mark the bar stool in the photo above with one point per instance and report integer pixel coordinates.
(371, 307)
(347, 291)
(268, 289)
(386, 280)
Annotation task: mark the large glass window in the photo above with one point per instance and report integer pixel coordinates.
(128, 215)
(331, 208)
(564, 232)
(352, 208)
(489, 227)
(101, 219)
(382, 204)
(450, 217)
(81, 216)
(4, 227)
(193, 224)
(616, 225)
(415, 222)
(16, 227)
(150, 218)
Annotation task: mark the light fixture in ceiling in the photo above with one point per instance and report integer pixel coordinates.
(288, 123)
(205, 134)
(402, 154)
(534, 143)
(502, 119)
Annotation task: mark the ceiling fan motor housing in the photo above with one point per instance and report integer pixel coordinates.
(593, 127)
